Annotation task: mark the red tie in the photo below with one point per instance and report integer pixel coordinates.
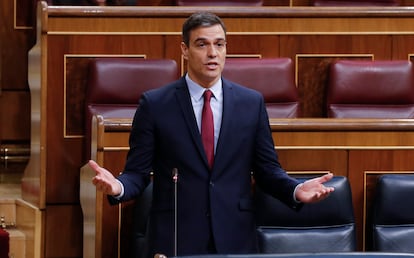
(207, 128)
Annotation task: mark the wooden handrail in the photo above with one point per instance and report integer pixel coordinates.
(301, 124)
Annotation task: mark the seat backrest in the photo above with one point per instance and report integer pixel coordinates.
(371, 89)
(219, 2)
(393, 214)
(116, 84)
(356, 3)
(273, 77)
(326, 226)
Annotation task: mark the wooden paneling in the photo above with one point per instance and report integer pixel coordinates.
(313, 161)
(16, 122)
(262, 45)
(69, 37)
(17, 28)
(401, 42)
(17, 36)
(62, 240)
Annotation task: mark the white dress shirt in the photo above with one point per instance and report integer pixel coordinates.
(216, 103)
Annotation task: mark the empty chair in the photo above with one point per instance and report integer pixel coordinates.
(326, 226)
(371, 89)
(116, 84)
(219, 2)
(273, 77)
(393, 214)
(356, 3)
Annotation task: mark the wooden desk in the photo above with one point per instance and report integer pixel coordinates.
(360, 149)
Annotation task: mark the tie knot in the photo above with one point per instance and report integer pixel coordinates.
(207, 95)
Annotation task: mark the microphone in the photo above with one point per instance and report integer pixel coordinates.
(175, 180)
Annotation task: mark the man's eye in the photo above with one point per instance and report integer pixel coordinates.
(221, 44)
(201, 44)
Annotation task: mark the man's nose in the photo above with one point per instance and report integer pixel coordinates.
(211, 50)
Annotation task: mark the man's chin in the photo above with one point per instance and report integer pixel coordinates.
(209, 80)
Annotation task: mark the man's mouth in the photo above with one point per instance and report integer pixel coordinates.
(212, 65)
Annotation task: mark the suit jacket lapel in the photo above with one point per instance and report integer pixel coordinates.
(184, 100)
(227, 124)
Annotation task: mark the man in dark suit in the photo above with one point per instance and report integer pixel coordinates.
(204, 194)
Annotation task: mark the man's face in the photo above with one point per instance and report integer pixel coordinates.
(205, 54)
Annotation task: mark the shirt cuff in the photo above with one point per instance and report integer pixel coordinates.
(119, 196)
(294, 193)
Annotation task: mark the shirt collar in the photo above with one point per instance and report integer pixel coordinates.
(197, 91)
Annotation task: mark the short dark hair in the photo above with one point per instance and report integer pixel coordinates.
(200, 19)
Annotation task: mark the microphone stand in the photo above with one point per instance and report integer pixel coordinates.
(175, 180)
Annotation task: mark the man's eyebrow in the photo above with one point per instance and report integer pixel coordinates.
(199, 39)
(203, 39)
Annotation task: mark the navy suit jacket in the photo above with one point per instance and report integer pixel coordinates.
(165, 136)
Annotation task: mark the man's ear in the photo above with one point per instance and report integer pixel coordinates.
(184, 50)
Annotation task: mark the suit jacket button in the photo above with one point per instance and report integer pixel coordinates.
(211, 184)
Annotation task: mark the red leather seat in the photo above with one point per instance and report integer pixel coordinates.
(273, 77)
(116, 84)
(356, 3)
(371, 89)
(4, 244)
(219, 2)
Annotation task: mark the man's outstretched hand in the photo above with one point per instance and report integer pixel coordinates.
(313, 190)
(104, 180)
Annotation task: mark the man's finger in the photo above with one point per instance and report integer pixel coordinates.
(325, 178)
(93, 164)
(95, 167)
